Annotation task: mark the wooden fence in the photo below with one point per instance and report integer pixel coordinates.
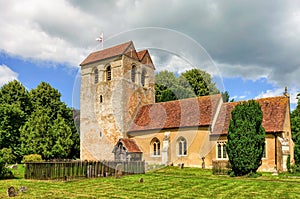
(80, 169)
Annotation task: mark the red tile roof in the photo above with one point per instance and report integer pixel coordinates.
(273, 108)
(174, 114)
(130, 145)
(141, 54)
(107, 53)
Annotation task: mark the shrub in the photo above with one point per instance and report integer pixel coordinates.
(6, 154)
(5, 172)
(32, 158)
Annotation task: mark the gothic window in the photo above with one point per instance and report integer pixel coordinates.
(133, 71)
(143, 77)
(182, 146)
(96, 75)
(221, 150)
(155, 147)
(108, 73)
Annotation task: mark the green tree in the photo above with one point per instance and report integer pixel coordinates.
(190, 84)
(14, 108)
(246, 138)
(295, 126)
(50, 130)
(200, 81)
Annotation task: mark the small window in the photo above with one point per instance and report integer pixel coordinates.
(133, 71)
(100, 134)
(182, 146)
(155, 147)
(101, 99)
(108, 73)
(143, 77)
(221, 150)
(96, 75)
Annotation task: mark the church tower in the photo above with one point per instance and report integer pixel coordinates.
(115, 82)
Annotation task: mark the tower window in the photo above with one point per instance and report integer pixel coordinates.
(133, 71)
(101, 98)
(108, 73)
(96, 75)
(143, 77)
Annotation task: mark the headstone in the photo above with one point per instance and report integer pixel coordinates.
(118, 170)
(23, 189)
(11, 192)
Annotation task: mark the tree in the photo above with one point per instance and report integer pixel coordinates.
(190, 84)
(246, 138)
(14, 108)
(50, 130)
(295, 126)
(200, 81)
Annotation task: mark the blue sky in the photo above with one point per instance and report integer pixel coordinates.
(254, 45)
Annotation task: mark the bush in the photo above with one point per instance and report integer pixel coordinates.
(32, 158)
(5, 172)
(288, 163)
(6, 154)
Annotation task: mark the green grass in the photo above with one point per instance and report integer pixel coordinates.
(169, 182)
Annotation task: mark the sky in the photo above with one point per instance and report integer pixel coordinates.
(251, 48)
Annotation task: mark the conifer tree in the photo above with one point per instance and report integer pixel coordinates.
(246, 138)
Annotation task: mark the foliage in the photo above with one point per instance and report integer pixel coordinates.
(295, 126)
(192, 83)
(6, 154)
(50, 130)
(35, 122)
(32, 158)
(14, 108)
(4, 172)
(246, 138)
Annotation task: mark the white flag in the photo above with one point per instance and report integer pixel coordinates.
(100, 38)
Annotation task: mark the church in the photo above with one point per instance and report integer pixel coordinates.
(119, 119)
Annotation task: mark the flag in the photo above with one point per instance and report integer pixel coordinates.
(100, 38)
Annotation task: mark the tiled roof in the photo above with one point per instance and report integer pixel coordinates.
(174, 114)
(141, 54)
(130, 145)
(107, 53)
(273, 108)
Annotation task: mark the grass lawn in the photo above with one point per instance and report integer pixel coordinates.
(169, 182)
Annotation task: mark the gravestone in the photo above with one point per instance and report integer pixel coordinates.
(118, 170)
(11, 192)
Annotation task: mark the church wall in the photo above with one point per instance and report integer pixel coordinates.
(197, 141)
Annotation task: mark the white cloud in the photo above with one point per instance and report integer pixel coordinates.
(278, 92)
(242, 38)
(7, 75)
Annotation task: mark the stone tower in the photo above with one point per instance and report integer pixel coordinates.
(115, 82)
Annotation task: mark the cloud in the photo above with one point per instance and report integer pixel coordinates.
(7, 75)
(278, 92)
(250, 39)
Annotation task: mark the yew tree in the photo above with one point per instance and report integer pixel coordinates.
(246, 138)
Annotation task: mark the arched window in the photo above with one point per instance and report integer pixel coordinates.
(96, 75)
(221, 150)
(108, 73)
(133, 71)
(155, 147)
(143, 77)
(182, 146)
